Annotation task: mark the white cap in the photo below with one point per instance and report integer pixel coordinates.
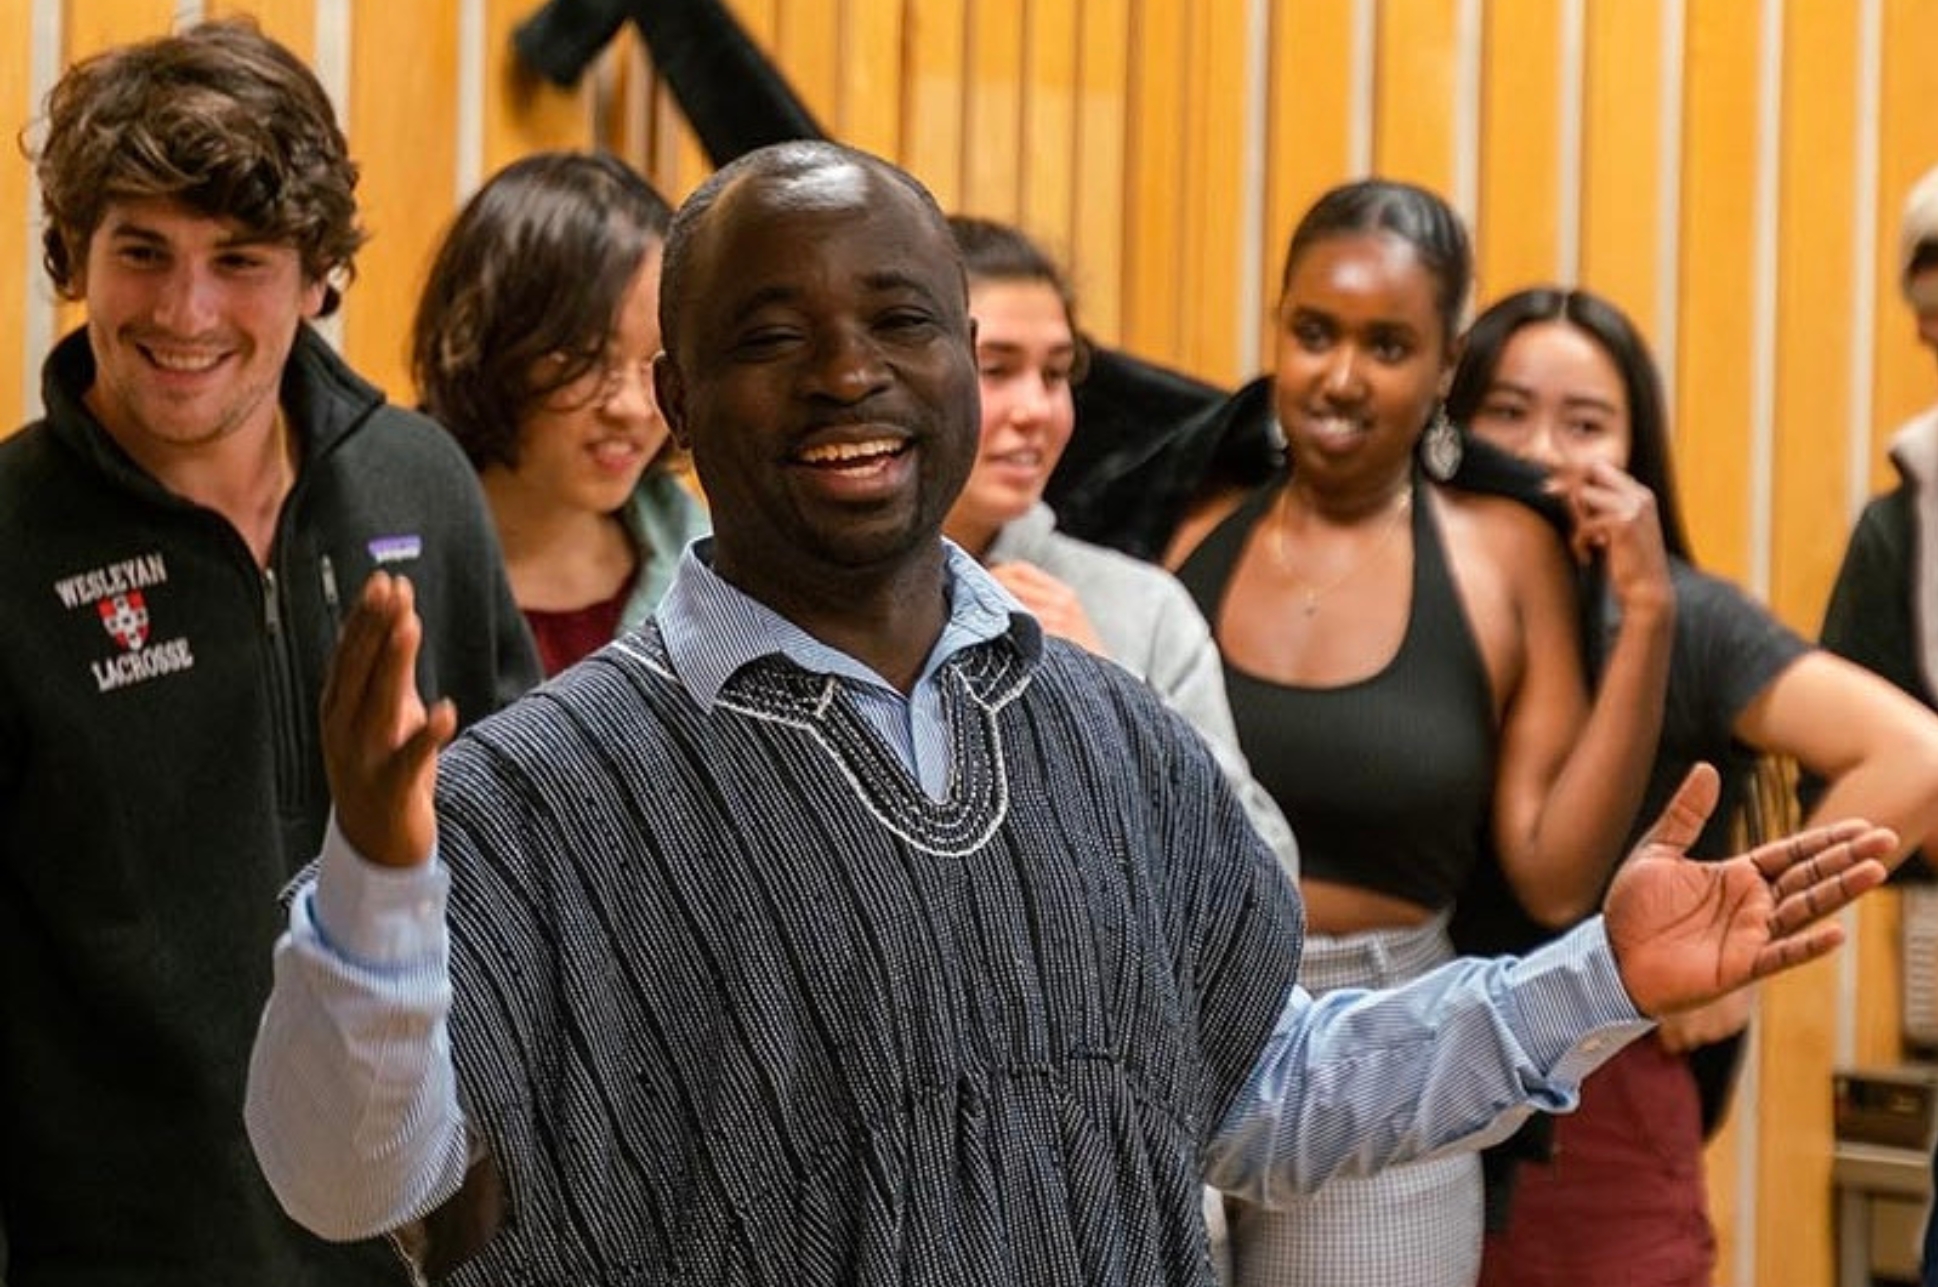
(1920, 223)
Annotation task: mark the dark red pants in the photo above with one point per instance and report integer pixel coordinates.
(1623, 1203)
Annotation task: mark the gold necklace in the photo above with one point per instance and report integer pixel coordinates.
(1311, 594)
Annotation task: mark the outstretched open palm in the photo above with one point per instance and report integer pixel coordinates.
(1685, 932)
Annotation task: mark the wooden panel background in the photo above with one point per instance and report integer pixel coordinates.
(1728, 170)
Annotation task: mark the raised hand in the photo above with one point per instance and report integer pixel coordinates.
(1685, 932)
(380, 742)
(1616, 516)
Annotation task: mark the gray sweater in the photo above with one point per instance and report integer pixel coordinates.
(1150, 625)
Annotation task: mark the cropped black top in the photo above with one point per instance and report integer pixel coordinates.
(1388, 781)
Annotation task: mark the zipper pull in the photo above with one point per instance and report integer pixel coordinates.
(272, 611)
(327, 571)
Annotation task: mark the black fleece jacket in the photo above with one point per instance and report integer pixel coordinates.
(161, 782)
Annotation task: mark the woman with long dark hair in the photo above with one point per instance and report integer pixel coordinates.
(1564, 379)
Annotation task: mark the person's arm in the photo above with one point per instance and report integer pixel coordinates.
(735, 99)
(352, 1100)
(1874, 747)
(1706, 1025)
(1360, 1079)
(1569, 784)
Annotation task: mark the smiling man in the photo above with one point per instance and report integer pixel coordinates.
(837, 927)
(172, 539)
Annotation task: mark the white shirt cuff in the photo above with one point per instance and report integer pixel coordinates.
(373, 916)
(1575, 1011)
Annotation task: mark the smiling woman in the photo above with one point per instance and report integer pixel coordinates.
(1027, 363)
(533, 345)
(1366, 610)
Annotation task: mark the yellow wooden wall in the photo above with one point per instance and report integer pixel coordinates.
(1728, 170)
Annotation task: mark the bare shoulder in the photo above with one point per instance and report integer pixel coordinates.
(1512, 571)
(1499, 531)
(1204, 514)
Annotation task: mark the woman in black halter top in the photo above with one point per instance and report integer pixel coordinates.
(1405, 663)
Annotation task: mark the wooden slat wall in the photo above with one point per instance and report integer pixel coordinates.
(933, 132)
(1907, 147)
(1518, 219)
(21, 278)
(992, 171)
(1622, 145)
(871, 102)
(1316, 133)
(1730, 171)
(1415, 103)
(521, 113)
(1155, 178)
(403, 88)
(1718, 273)
(1209, 262)
(93, 24)
(1048, 142)
(1097, 235)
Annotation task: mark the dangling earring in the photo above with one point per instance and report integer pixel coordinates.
(1440, 448)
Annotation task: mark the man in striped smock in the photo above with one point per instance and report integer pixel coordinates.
(837, 926)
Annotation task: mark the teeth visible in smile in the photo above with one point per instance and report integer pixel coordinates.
(1335, 425)
(614, 453)
(183, 361)
(842, 453)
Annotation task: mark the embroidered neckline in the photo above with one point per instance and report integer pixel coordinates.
(974, 687)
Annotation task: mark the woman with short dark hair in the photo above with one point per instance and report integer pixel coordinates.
(533, 344)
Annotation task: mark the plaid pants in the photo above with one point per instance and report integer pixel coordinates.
(1417, 1225)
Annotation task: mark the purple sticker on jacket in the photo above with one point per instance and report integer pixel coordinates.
(396, 549)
